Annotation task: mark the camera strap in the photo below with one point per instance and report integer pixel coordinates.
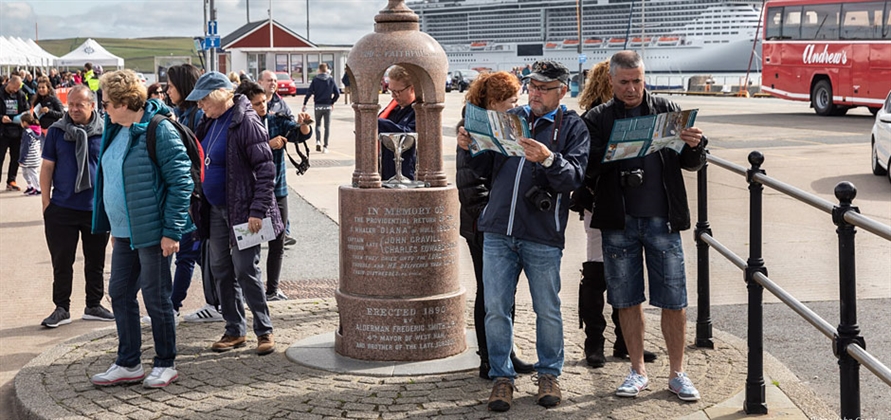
(555, 130)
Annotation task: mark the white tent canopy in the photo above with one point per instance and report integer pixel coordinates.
(48, 58)
(90, 51)
(12, 53)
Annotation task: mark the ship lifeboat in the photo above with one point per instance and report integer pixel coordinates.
(593, 43)
(551, 45)
(477, 46)
(570, 43)
(637, 42)
(668, 41)
(616, 42)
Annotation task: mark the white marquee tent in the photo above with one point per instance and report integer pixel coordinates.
(16, 52)
(90, 51)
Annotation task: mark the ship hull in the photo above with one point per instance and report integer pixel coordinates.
(708, 58)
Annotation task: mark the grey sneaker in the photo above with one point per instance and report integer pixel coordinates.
(97, 313)
(683, 387)
(116, 375)
(634, 383)
(289, 241)
(277, 296)
(160, 377)
(59, 317)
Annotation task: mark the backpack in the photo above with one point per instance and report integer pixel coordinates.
(193, 149)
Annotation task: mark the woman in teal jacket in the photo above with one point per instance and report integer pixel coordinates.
(144, 204)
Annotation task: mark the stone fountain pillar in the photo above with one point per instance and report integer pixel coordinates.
(399, 296)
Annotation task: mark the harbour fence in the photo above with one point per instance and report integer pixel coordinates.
(848, 345)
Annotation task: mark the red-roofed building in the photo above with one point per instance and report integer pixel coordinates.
(253, 49)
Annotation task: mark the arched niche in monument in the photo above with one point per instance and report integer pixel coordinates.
(399, 297)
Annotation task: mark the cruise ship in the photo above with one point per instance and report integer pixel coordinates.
(673, 36)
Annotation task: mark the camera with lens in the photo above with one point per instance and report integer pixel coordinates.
(539, 197)
(632, 178)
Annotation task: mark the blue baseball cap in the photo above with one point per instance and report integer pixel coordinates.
(208, 82)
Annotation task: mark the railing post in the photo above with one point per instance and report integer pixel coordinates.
(755, 402)
(703, 289)
(848, 330)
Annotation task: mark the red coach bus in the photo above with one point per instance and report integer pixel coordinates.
(834, 54)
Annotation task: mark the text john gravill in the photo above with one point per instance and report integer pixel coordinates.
(400, 241)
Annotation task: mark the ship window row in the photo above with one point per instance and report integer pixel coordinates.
(836, 21)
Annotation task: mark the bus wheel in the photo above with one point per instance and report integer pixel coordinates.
(821, 99)
(874, 110)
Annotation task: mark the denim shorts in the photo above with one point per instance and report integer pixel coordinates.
(623, 252)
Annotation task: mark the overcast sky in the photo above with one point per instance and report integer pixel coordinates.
(330, 21)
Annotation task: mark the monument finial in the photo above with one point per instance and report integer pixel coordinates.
(396, 11)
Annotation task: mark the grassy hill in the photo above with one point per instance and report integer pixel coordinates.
(138, 53)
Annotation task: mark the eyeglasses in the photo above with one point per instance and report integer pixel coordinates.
(394, 92)
(542, 89)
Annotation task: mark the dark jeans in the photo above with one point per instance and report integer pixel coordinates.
(145, 269)
(276, 251)
(238, 278)
(189, 253)
(62, 228)
(14, 145)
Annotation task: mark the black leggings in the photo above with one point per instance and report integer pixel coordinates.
(276, 250)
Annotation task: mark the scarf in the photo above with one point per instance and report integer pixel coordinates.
(81, 134)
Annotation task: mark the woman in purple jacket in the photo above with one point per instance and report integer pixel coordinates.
(239, 177)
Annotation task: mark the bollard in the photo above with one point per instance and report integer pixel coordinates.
(703, 289)
(755, 402)
(848, 330)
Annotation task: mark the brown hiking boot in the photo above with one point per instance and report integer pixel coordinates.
(227, 343)
(265, 344)
(502, 395)
(548, 390)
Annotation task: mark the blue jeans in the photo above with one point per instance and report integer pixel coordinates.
(623, 264)
(237, 274)
(189, 253)
(145, 269)
(503, 258)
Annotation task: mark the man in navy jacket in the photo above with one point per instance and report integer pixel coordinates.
(324, 90)
(524, 225)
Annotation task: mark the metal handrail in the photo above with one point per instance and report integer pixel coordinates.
(847, 343)
(871, 363)
(801, 309)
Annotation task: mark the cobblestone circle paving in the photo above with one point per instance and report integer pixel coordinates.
(239, 384)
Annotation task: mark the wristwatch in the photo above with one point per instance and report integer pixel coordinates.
(548, 161)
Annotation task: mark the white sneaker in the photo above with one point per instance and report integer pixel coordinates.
(148, 320)
(325, 150)
(208, 313)
(160, 377)
(116, 375)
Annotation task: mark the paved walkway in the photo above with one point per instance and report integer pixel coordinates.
(53, 378)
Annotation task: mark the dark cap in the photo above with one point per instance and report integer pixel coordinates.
(209, 82)
(549, 71)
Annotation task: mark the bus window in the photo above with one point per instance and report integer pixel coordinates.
(886, 33)
(774, 29)
(792, 23)
(862, 20)
(820, 21)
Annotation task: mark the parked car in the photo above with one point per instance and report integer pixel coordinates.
(461, 79)
(286, 85)
(141, 78)
(881, 140)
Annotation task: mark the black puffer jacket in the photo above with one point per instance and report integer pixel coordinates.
(473, 190)
(54, 110)
(603, 178)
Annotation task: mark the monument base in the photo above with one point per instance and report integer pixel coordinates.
(383, 329)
